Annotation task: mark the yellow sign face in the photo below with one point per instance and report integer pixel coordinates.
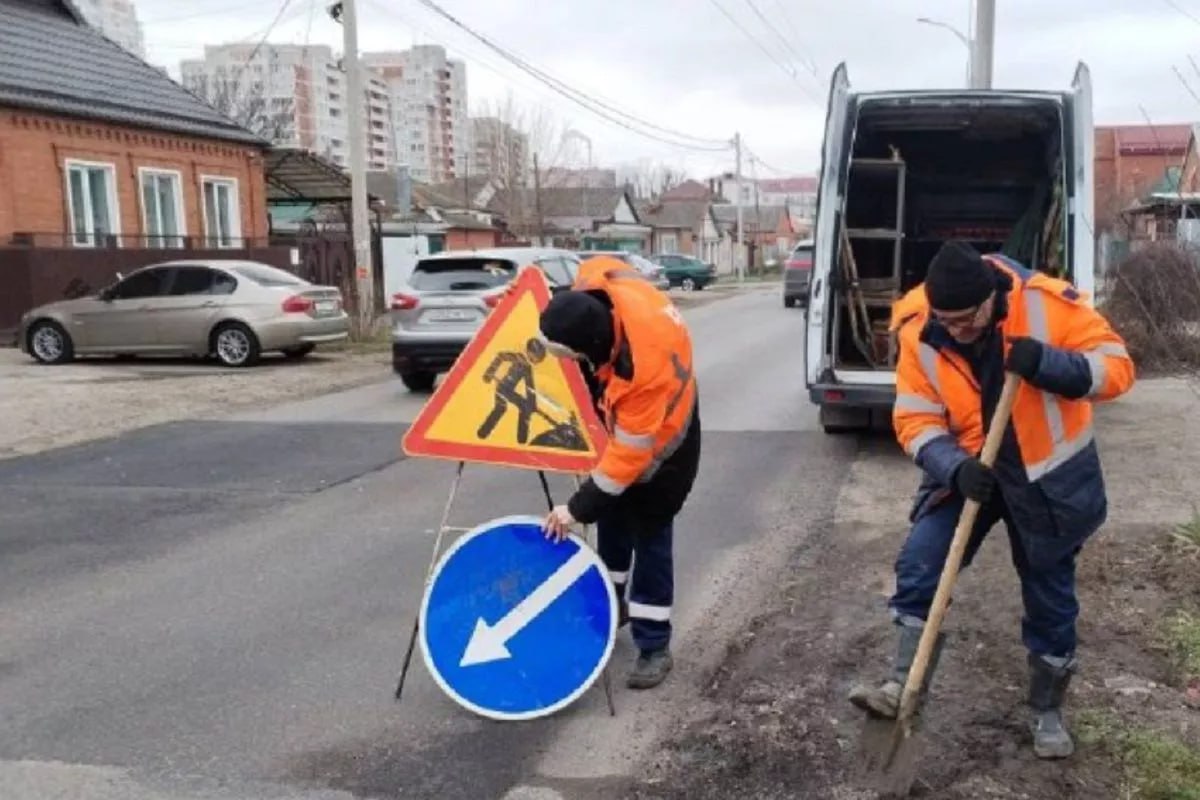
(508, 401)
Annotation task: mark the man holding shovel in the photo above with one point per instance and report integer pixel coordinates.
(974, 319)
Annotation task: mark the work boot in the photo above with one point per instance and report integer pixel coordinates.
(651, 669)
(884, 700)
(1048, 680)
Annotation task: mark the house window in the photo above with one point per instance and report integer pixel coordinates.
(162, 208)
(668, 243)
(222, 220)
(92, 201)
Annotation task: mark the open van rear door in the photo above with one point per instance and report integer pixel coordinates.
(1083, 220)
(829, 203)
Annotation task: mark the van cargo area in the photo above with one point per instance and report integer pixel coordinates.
(924, 170)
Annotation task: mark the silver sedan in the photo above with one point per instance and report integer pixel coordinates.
(233, 310)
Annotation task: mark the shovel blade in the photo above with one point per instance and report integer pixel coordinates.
(889, 755)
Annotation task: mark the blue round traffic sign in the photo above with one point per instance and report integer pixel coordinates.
(515, 626)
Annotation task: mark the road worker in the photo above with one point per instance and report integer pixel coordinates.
(636, 350)
(975, 318)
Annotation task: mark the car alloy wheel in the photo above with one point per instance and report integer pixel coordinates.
(47, 343)
(688, 285)
(233, 346)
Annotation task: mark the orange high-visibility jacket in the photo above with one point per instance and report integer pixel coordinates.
(938, 415)
(650, 392)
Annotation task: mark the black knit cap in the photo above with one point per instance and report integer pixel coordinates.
(580, 321)
(958, 278)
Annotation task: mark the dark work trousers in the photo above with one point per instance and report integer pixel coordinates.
(1048, 627)
(643, 561)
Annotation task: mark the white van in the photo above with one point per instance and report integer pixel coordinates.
(902, 172)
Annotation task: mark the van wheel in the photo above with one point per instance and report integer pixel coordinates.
(419, 381)
(837, 420)
(789, 302)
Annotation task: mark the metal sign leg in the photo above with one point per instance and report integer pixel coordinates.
(437, 549)
(589, 535)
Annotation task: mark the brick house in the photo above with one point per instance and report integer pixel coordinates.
(99, 148)
(686, 227)
(1129, 161)
(768, 231)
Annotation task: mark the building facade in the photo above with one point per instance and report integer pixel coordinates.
(294, 95)
(499, 151)
(428, 94)
(117, 20)
(1129, 161)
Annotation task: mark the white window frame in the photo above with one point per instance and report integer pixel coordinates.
(664, 239)
(113, 201)
(179, 237)
(213, 238)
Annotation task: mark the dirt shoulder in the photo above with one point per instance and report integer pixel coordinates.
(46, 407)
(775, 722)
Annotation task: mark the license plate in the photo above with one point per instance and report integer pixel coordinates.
(325, 306)
(449, 315)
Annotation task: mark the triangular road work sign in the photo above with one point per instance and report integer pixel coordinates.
(508, 402)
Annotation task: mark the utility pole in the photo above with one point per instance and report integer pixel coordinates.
(983, 40)
(356, 132)
(537, 198)
(737, 251)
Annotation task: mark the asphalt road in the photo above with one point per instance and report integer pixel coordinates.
(218, 608)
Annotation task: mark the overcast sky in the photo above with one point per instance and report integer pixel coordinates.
(682, 65)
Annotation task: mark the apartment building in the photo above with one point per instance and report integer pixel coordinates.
(428, 94)
(293, 95)
(117, 20)
(500, 151)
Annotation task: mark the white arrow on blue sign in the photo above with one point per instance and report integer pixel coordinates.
(514, 626)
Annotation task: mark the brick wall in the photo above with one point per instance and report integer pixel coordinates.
(460, 239)
(34, 149)
(1121, 178)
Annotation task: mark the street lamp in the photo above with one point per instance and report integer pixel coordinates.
(962, 37)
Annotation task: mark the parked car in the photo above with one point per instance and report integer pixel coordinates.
(797, 271)
(447, 298)
(653, 272)
(234, 310)
(687, 272)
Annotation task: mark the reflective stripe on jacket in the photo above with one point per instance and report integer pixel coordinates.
(938, 415)
(650, 391)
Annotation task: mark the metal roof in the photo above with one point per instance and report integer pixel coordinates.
(298, 176)
(51, 61)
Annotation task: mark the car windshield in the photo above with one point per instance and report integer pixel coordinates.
(460, 274)
(803, 252)
(264, 275)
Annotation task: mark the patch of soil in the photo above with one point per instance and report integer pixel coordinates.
(783, 728)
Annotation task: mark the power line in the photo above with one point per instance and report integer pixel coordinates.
(786, 16)
(278, 15)
(768, 167)
(583, 99)
(1186, 85)
(1183, 11)
(791, 73)
(788, 46)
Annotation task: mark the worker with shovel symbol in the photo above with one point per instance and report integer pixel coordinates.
(518, 372)
(975, 319)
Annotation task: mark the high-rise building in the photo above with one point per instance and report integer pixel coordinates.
(293, 95)
(428, 94)
(116, 19)
(499, 151)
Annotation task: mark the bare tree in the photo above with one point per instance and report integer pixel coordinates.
(242, 97)
(506, 138)
(648, 180)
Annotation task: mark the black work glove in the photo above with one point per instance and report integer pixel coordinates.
(1024, 357)
(975, 481)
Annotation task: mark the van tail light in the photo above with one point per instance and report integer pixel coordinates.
(297, 304)
(835, 396)
(493, 300)
(403, 302)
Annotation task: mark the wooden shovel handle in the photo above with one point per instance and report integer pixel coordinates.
(958, 546)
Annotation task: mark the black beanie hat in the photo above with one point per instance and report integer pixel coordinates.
(958, 278)
(580, 321)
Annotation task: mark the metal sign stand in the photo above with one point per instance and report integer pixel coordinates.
(445, 528)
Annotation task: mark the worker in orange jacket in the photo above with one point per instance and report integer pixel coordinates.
(633, 345)
(975, 318)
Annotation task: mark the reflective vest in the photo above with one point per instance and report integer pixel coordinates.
(649, 388)
(937, 395)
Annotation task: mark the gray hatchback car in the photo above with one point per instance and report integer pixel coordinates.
(447, 298)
